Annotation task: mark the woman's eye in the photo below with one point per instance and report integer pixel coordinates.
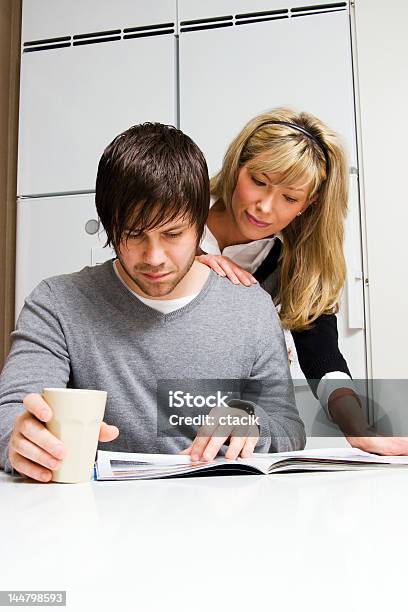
(291, 200)
(173, 235)
(258, 182)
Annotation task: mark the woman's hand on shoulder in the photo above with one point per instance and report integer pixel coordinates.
(224, 266)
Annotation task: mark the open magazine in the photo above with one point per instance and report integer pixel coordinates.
(140, 466)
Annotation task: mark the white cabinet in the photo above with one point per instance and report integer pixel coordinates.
(229, 74)
(75, 99)
(56, 235)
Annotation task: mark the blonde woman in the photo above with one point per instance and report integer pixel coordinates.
(277, 217)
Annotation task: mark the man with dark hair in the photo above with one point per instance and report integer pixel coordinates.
(154, 313)
(154, 179)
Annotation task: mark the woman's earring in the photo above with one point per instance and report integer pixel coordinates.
(299, 213)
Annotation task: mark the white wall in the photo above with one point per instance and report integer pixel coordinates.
(382, 52)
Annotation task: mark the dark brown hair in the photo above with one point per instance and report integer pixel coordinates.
(149, 175)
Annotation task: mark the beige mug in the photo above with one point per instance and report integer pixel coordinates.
(76, 420)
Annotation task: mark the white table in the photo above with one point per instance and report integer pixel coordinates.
(286, 542)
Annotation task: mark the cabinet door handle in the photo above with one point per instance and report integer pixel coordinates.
(354, 289)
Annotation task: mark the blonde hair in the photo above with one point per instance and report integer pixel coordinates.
(312, 265)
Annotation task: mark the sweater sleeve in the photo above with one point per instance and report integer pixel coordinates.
(38, 358)
(318, 350)
(281, 428)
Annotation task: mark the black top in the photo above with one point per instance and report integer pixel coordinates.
(317, 348)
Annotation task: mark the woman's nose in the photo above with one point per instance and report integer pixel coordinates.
(266, 204)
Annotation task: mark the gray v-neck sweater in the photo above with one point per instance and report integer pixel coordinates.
(86, 330)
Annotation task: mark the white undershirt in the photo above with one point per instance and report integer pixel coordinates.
(164, 306)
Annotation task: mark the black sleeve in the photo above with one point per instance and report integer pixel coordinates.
(318, 350)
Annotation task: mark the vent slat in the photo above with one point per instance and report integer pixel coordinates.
(207, 20)
(244, 21)
(212, 26)
(46, 47)
(261, 14)
(47, 40)
(318, 13)
(156, 26)
(96, 34)
(318, 7)
(144, 34)
(94, 41)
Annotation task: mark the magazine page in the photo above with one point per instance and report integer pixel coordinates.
(121, 466)
(327, 459)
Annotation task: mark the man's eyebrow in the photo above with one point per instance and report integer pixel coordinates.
(180, 225)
